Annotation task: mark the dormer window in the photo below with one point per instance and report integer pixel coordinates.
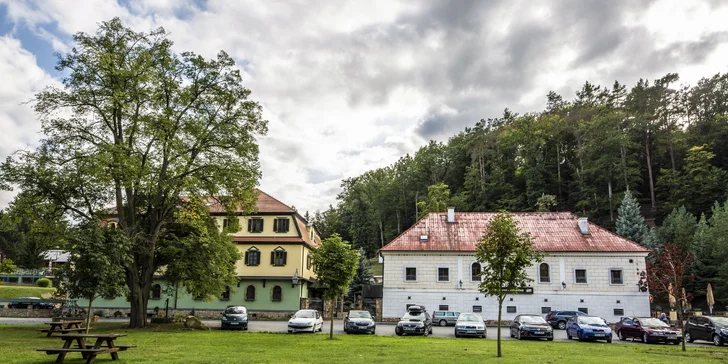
(252, 256)
(255, 225)
(281, 225)
(278, 257)
(423, 238)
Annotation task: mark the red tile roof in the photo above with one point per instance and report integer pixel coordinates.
(266, 203)
(552, 232)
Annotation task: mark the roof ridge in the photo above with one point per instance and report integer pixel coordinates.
(274, 199)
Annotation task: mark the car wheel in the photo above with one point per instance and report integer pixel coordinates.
(688, 337)
(620, 335)
(374, 332)
(442, 323)
(717, 340)
(568, 336)
(518, 335)
(609, 341)
(550, 339)
(484, 335)
(430, 330)
(645, 338)
(578, 336)
(397, 332)
(456, 335)
(561, 325)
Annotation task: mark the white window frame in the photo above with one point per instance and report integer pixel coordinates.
(437, 273)
(538, 273)
(586, 273)
(609, 271)
(404, 271)
(480, 279)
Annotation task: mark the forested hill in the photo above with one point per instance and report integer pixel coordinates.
(664, 141)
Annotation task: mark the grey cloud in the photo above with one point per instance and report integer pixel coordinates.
(316, 176)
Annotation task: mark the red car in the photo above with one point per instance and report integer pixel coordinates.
(647, 329)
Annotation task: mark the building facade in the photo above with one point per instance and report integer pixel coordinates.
(585, 268)
(274, 274)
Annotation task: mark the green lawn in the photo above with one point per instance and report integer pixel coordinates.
(23, 291)
(173, 344)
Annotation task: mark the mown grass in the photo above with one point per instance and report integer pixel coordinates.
(174, 344)
(376, 268)
(23, 291)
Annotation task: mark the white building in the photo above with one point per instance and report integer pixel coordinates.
(586, 268)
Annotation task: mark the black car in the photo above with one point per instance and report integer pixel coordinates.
(415, 322)
(531, 327)
(707, 328)
(559, 318)
(235, 317)
(359, 321)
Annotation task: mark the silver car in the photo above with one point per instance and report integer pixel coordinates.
(470, 324)
(445, 318)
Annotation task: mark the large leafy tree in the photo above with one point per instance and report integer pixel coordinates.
(334, 263)
(505, 253)
(134, 127)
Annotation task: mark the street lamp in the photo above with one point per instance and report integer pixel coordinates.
(294, 279)
(460, 284)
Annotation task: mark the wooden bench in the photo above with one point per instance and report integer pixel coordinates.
(63, 331)
(89, 353)
(64, 327)
(104, 344)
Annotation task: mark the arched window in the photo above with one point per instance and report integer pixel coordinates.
(277, 294)
(544, 273)
(156, 292)
(250, 293)
(475, 270)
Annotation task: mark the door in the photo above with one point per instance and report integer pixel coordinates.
(693, 327)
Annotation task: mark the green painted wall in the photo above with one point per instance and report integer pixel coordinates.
(291, 299)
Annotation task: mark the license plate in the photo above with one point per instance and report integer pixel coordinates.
(233, 323)
(672, 337)
(408, 329)
(470, 332)
(599, 335)
(538, 333)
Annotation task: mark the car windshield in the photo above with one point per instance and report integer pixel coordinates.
(532, 320)
(591, 320)
(235, 310)
(653, 322)
(470, 317)
(304, 314)
(721, 321)
(359, 314)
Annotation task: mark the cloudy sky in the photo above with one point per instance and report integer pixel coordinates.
(349, 86)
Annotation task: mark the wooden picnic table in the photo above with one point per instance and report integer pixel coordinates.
(64, 327)
(89, 352)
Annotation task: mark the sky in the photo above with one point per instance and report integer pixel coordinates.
(348, 85)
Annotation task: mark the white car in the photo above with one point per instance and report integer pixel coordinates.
(306, 321)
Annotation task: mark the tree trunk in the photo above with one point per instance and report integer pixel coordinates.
(138, 300)
(88, 313)
(381, 233)
(680, 317)
(558, 168)
(649, 169)
(624, 167)
(500, 315)
(331, 319)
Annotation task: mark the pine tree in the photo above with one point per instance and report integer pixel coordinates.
(630, 223)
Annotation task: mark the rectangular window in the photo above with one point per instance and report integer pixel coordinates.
(255, 225)
(545, 310)
(252, 257)
(281, 225)
(443, 307)
(443, 274)
(615, 276)
(583, 309)
(308, 262)
(511, 309)
(410, 274)
(580, 275)
(279, 257)
(225, 223)
(618, 312)
(477, 308)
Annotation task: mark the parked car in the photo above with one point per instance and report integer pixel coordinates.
(235, 317)
(647, 329)
(34, 302)
(708, 328)
(470, 324)
(305, 321)
(585, 327)
(444, 318)
(359, 321)
(531, 326)
(559, 318)
(415, 322)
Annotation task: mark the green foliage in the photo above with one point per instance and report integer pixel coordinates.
(24, 291)
(505, 253)
(546, 203)
(438, 199)
(141, 126)
(679, 228)
(7, 266)
(43, 282)
(630, 223)
(362, 277)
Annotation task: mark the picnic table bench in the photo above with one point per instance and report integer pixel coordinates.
(87, 351)
(64, 327)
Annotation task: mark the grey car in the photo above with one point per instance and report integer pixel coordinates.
(470, 324)
(531, 327)
(559, 318)
(235, 317)
(445, 318)
(359, 321)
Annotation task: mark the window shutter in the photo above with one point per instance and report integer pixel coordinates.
(285, 257)
(247, 262)
(275, 225)
(250, 225)
(272, 258)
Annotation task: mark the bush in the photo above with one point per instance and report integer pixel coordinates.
(43, 282)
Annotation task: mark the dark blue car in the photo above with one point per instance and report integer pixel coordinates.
(588, 328)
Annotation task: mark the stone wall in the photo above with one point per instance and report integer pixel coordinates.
(29, 312)
(122, 313)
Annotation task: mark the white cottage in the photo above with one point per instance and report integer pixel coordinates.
(586, 268)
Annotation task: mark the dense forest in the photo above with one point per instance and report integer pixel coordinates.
(665, 142)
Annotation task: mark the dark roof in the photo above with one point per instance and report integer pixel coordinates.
(552, 232)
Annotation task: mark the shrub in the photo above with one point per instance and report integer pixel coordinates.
(43, 282)
(99, 313)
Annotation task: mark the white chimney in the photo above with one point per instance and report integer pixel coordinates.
(584, 225)
(451, 214)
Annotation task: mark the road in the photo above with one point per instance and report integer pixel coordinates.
(382, 329)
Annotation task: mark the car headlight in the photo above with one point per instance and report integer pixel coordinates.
(586, 329)
(479, 327)
(724, 331)
(420, 324)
